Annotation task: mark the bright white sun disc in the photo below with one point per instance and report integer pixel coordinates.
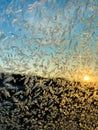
(86, 78)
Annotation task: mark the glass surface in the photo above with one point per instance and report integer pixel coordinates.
(49, 38)
(49, 47)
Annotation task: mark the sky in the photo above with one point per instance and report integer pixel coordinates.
(56, 38)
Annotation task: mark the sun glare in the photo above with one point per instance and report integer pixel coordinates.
(86, 78)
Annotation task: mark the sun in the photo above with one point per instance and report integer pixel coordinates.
(86, 78)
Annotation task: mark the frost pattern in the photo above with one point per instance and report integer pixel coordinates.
(47, 47)
(49, 37)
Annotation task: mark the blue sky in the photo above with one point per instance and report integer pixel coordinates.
(49, 37)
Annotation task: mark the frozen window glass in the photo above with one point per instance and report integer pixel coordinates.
(49, 37)
(49, 64)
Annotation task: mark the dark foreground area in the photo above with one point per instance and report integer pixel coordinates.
(36, 103)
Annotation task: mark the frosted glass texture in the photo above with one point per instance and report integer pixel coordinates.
(50, 38)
